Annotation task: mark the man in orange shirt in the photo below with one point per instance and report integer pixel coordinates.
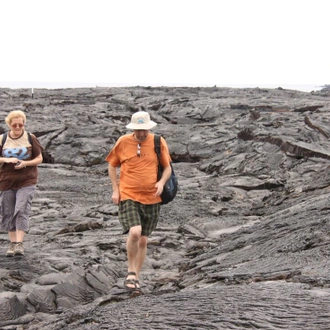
(138, 191)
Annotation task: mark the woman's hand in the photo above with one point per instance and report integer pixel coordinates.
(11, 160)
(19, 165)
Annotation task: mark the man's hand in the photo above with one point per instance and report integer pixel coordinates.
(160, 187)
(116, 197)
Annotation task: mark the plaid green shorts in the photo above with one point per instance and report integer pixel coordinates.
(133, 213)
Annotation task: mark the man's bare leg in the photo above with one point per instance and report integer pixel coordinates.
(132, 246)
(141, 255)
(136, 253)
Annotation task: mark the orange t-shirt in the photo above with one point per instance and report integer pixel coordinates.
(138, 175)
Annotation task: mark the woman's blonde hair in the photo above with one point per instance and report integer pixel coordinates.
(15, 114)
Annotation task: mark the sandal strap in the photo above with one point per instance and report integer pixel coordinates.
(130, 281)
(131, 273)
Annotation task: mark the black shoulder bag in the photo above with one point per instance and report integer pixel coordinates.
(171, 186)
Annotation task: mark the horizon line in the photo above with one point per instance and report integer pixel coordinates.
(64, 85)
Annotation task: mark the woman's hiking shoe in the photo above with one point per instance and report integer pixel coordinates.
(19, 251)
(11, 250)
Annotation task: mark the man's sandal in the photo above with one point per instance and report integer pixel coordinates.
(132, 281)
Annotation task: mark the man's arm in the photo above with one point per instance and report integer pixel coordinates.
(114, 182)
(167, 171)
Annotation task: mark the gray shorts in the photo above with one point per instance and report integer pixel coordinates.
(15, 208)
(133, 213)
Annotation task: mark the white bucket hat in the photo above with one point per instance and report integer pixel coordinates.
(141, 120)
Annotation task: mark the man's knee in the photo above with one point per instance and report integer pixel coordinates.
(135, 233)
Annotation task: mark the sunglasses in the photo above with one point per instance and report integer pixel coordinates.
(17, 125)
(138, 150)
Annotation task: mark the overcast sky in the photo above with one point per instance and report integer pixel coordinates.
(172, 42)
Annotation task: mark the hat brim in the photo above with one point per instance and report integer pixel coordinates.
(134, 126)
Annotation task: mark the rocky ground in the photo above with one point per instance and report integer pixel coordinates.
(245, 244)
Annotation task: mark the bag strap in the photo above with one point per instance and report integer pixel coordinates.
(30, 138)
(4, 138)
(157, 145)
